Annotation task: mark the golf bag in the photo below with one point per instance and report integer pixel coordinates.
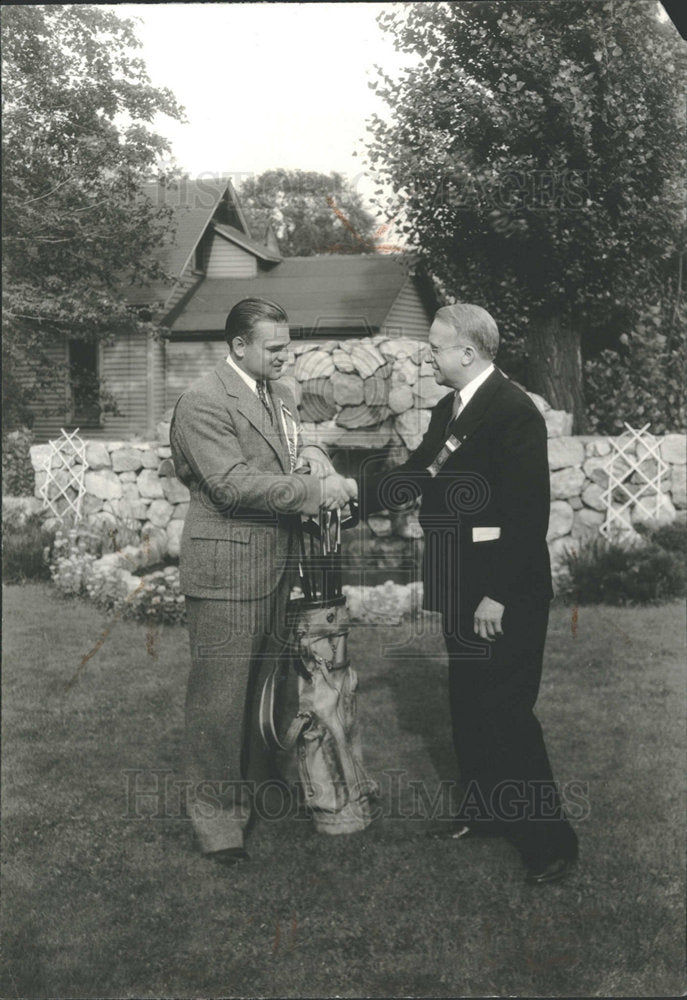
(324, 732)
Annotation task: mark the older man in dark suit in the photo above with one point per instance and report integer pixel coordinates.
(235, 444)
(482, 472)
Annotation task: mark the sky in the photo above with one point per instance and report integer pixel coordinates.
(268, 84)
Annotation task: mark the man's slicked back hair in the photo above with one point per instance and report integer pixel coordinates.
(246, 313)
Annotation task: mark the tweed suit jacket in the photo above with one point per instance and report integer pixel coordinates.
(238, 532)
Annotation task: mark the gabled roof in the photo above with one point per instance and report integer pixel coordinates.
(337, 291)
(194, 203)
(236, 236)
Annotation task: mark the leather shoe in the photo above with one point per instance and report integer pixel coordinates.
(553, 871)
(229, 856)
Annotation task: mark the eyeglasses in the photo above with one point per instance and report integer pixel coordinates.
(451, 347)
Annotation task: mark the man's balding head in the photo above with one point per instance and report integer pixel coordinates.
(474, 324)
(463, 341)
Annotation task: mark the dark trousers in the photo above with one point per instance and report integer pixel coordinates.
(503, 763)
(234, 645)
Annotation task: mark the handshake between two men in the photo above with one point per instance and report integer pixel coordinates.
(335, 490)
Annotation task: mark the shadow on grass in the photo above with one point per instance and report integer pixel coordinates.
(410, 670)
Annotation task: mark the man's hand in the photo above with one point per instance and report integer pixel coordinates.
(337, 491)
(352, 487)
(488, 615)
(333, 492)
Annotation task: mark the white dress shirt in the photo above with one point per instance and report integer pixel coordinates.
(469, 390)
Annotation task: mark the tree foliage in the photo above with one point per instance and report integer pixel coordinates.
(310, 212)
(537, 153)
(77, 144)
(643, 380)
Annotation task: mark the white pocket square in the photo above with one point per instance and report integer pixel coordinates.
(485, 534)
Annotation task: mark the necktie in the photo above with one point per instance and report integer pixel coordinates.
(264, 399)
(451, 442)
(457, 406)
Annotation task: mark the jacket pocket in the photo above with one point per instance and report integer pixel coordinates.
(218, 553)
(228, 530)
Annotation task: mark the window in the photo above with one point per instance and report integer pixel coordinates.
(84, 382)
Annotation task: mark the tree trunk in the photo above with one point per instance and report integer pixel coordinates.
(554, 367)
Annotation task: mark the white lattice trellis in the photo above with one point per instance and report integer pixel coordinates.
(65, 467)
(642, 499)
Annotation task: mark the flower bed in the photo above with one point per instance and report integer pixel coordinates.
(112, 582)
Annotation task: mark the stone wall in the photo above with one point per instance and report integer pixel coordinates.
(380, 385)
(131, 483)
(578, 481)
(345, 391)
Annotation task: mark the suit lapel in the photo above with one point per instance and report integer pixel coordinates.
(474, 413)
(255, 413)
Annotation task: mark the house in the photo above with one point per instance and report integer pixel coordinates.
(215, 259)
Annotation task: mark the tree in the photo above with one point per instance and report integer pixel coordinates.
(77, 145)
(310, 213)
(536, 151)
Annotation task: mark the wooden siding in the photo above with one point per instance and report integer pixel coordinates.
(227, 260)
(186, 361)
(159, 360)
(407, 316)
(124, 371)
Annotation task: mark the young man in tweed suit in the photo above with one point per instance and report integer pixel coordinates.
(235, 444)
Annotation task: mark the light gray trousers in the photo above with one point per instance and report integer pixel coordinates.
(233, 647)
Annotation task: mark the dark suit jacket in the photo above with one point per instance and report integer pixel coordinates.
(497, 479)
(238, 531)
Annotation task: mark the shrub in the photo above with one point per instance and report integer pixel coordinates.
(72, 564)
(642, 380)
(671, 537)
(105, 588)
(25, 549)
(77, 571)
(75, 568)
(17, 471)
(159, 599)
(99, 537)
(115, 537)
(620, 573)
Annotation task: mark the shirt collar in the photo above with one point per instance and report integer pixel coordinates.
(469, 390)
(250, 382)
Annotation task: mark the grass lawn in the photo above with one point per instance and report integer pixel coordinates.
(96, 904)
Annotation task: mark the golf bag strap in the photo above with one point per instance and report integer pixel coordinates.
(268, 730)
